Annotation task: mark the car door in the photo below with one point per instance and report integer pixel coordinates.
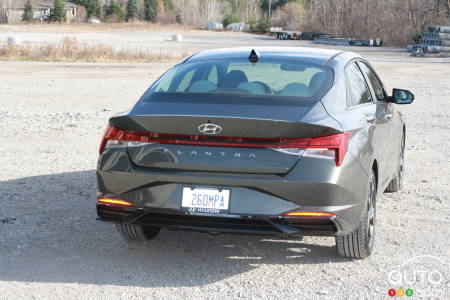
(363, 118)
(388, 121)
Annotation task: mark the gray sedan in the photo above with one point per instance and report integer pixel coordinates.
(273, 141)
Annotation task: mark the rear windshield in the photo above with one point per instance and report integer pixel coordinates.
(242, 78)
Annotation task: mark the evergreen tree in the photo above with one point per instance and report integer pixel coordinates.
(230, 19)
(168, 4)
(58, 13)
(132, 10)
(115, 11)
(27, 15)
(92, 7)
(150, 10)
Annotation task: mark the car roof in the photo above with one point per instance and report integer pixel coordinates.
(309, 55)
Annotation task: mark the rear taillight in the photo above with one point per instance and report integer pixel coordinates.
(113, 201)
(332, 146)
(324, 147)
(113, 137)
(309, 214)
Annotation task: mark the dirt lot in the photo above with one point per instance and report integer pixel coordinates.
(51, 118)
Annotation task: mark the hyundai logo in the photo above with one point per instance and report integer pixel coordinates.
(209, 128)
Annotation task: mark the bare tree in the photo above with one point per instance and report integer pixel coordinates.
(290, 17)
(391, 20)
(251, 10)
(5, 6)
(198, 12)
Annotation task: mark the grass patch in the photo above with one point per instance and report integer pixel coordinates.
(70, 50)
(104, 27)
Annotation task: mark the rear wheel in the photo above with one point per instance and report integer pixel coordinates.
(359, 243)
(136, 232)
(396, 183)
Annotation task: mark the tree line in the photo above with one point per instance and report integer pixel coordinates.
(186, 12)
(112, 10)
(394, 21)
(130, 10)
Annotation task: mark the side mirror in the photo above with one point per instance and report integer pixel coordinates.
(402, 96)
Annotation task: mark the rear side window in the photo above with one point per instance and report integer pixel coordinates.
(374, 81)
(243, 79)
(359, 90)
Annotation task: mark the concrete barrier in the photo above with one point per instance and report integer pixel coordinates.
(13, 41)
(177, 37)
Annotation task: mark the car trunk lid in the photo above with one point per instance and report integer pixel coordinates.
(244, 143)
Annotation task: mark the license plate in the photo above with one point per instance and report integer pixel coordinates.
(205, 201)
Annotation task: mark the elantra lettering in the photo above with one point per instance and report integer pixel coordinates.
(221, 153)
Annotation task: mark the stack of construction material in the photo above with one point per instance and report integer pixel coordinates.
(435, 41)
(349, 42)
(287, 35)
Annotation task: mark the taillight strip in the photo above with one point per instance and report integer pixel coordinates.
(337, 142)
(308, 214)
(113, 201)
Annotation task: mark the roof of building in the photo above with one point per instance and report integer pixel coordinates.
(20, 4)
(312, 55)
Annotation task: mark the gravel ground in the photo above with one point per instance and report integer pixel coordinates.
(51, 247)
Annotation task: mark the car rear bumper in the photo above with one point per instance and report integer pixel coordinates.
(264, 225)
(257, 202)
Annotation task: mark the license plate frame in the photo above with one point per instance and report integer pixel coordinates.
(206, 200)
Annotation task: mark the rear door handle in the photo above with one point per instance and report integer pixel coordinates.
(388, 117)
(370, 119)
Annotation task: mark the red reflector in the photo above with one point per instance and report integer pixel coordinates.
(308, 214)
(114, 201)
(337, 142)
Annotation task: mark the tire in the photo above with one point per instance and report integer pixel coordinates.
(359, 243)
(397, 182)
(136, 232)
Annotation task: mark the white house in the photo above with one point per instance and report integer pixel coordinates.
(12, 11)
